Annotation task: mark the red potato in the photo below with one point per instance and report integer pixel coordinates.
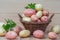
(45, 13)
(11, 35)
(38, 34)
(39, 20)
(17, 29)
(29, 12)
(52, 35)
(44, 18)
(34, 18)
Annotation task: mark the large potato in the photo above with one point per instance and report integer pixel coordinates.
(24, 33)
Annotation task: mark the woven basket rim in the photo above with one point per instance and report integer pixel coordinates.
(49, 20)
(36, 22)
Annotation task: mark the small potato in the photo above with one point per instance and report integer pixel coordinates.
(27, 19)
(44, 18)
(24, 33)
(39, 14)
(11, 35)
(38, 34)
(52, 35)
(38, 7)
(29, 12)
(17, 29)
(39, 21)
(2, 32)
(45, 13)
(56, 29)
(34, 18)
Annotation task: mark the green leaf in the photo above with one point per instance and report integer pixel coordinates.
(31, 5)
(6, 27)
(9, 24)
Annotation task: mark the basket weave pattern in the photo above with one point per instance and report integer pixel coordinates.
(32, 26)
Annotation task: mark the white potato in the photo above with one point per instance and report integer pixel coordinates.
(24, 33)
(2, 32)
(38, 7)
(39, 14)
(56, 29)
(28, 19)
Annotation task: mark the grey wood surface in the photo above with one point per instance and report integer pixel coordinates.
(15, 17)
(7, 6)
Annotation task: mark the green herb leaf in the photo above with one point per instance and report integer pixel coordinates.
(6, 27)
(9, 24)
(31, 5)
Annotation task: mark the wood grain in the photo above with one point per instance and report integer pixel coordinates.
(18, 5)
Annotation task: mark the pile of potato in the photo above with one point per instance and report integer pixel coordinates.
(36, 15)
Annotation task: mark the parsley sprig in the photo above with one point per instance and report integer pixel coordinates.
(9, 24)
(31, 5)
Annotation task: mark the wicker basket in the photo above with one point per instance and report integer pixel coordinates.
(32, 26)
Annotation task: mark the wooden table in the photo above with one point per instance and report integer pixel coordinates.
(15, 17)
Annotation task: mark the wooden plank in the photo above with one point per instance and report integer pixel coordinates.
(18, 5)
(28, 38)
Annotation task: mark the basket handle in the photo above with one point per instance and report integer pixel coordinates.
(51, 16)
(19, 15)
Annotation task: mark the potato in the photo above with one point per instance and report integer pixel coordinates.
(39, 14)
(38, 7)
(11, 35)
(29, 12)
(34, 18)
(27, 19)
(56, 29)
(24, 33)
(2, 32)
